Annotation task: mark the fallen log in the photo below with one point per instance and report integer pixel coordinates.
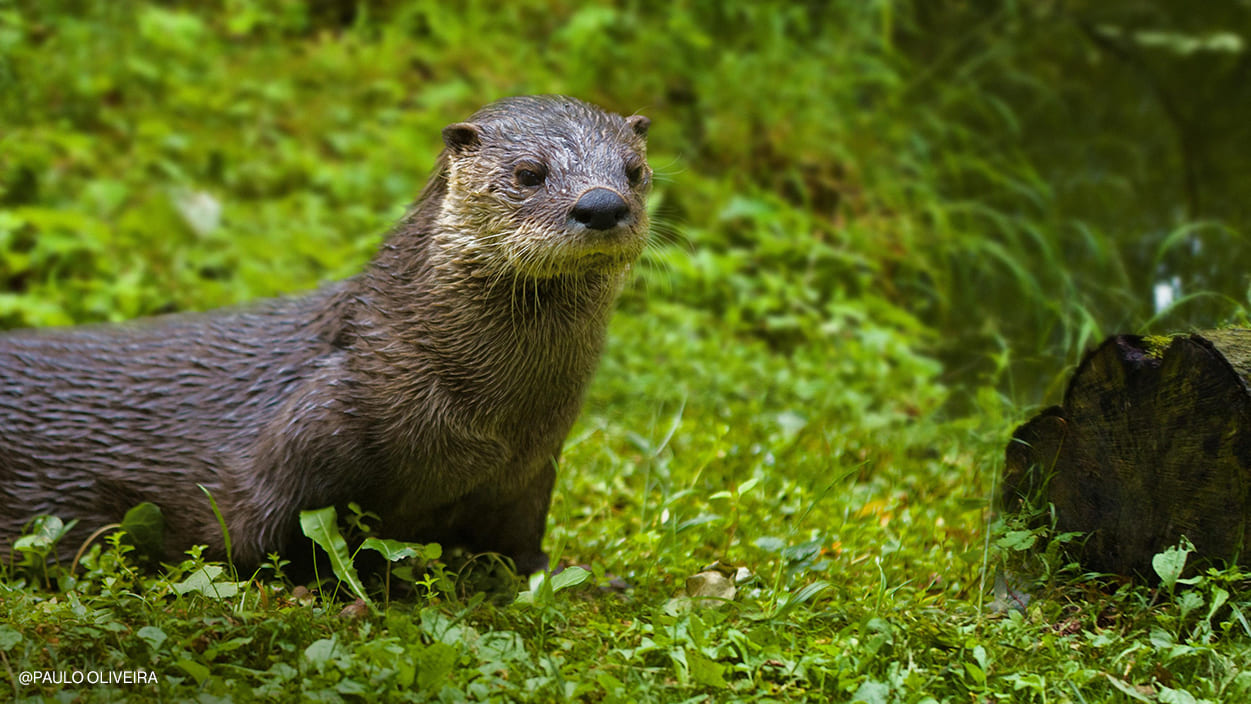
(1151, 443)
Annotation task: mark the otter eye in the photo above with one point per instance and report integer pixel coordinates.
(530, 175)
(634, 172)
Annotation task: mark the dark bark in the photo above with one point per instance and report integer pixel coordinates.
(1152, 443)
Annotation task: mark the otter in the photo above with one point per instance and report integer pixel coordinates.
(435, 388)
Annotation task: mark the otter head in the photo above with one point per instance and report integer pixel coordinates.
(545, 186)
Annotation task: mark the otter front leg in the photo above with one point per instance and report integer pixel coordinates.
(508, 522)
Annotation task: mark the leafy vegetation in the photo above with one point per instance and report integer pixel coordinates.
(883, 230)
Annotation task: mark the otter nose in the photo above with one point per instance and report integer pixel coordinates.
(600, 209)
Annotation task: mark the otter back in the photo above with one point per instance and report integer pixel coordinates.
(435, 388)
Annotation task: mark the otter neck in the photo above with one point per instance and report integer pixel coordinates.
(493, 338)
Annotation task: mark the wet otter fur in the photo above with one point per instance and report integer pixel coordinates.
(435, 388)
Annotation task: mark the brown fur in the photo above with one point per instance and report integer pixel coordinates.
(435, 388)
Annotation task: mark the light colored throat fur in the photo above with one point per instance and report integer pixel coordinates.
(501, 270)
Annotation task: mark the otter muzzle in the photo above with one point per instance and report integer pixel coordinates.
(600, 209)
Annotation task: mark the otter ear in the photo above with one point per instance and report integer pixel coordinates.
(639, 124)
(461, 136)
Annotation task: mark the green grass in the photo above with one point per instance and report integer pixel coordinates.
(882, 231)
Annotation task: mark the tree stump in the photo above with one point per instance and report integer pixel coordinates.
(1152, 443)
